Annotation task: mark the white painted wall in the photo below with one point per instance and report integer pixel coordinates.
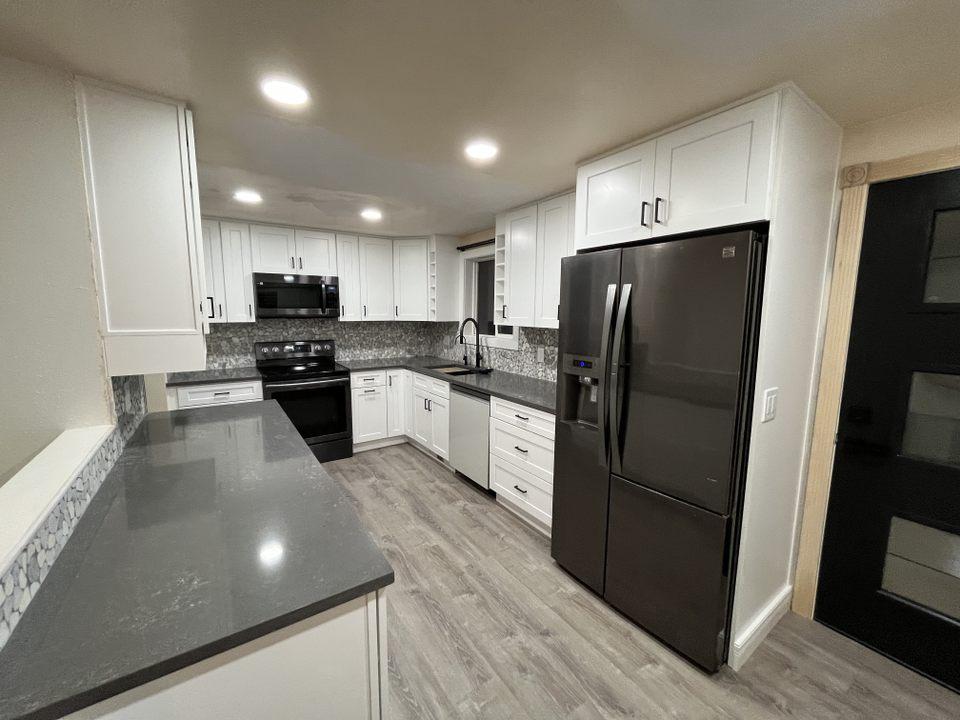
(925, 128)
(802, 234)
(53, 374)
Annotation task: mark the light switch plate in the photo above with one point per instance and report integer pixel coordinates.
(540, 354)
(770, 404)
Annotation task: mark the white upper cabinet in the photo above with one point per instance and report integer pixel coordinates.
(348, 270)
(237, 272)
(554, 242)
(411, 278)
(316, 252)
(376, 278)
(716, 172)
(274, 249)
(615, 197)
(215, 298)
(709, 174)
(520, 234)
(140, 169)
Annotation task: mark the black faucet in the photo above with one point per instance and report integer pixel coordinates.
(478, 357)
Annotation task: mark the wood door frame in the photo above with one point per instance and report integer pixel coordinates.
(855, 181)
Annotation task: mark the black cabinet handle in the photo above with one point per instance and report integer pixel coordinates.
(293, 265)
(364, 310)
(396, 310)
(250, 309)
(211, 315)
(301, 263)
(504, 312)
(369, 391)
(656, 210)
(430, 405)
(643, 213)
(519, 489)
(517, 447)
(424, 403)
(342, 312)
(220, 309)
(520, 417)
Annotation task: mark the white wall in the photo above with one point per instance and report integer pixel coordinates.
(929, 127)
(802, 234)
(53, 374)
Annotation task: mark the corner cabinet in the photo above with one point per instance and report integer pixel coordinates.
(554, 242)
(376, 279)
(520, 244)
(711, 173)
(411, 278)
(397, 402)
(140, 175)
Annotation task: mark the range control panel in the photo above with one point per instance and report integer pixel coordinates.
(294, 349)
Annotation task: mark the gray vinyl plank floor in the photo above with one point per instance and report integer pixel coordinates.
(483, 624)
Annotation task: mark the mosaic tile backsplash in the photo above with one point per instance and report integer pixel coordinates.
(21, 581)
(231, 344)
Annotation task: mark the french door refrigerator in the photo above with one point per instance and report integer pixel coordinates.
(657, 344)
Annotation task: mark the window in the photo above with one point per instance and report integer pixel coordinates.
(479, 278)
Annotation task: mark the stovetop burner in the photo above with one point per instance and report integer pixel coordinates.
(297, 359)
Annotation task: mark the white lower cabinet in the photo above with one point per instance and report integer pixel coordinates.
(396, 403)
(369, 408)
(180, 397)
(522, 491)
(431, 414)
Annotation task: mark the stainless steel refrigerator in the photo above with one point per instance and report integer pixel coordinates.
(657, 345)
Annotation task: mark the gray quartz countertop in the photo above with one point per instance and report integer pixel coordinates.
(199, 377)
(539, 394)
(216, 526)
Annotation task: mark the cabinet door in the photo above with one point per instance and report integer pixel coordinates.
(411, 279)
(396, 408)
(274, 249)
(139, 171)
(439, 409)
(316, 252)
(376, 278)
(716, 172)
(554, 242)
(614, 198)
(237, 271)
(422, 421)
(369, 414)
(348, 267)
(407, 402)
(520, 230)
(213, 272)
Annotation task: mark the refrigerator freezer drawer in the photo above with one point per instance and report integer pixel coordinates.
(522, 490)
(525, 449)
(535, 421)
(666, 570)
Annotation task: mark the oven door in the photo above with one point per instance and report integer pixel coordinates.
(319, 409)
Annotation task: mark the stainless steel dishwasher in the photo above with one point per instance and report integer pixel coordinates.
(470, 434)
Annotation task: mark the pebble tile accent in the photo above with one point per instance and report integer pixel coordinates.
(20, 582)
(231, 344)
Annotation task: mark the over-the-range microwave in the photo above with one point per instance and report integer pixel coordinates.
(279, 295)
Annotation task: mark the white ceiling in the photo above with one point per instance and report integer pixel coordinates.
(399, 86)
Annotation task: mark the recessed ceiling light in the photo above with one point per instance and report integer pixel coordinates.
(481, 150)
(250, 197)
(371, 214)
(285, 92)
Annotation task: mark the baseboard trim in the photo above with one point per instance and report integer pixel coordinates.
(759, 627)
(376, 444)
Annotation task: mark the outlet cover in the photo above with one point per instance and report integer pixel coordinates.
(770, 404)
(540, 354)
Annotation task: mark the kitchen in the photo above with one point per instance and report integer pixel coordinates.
(470, 428)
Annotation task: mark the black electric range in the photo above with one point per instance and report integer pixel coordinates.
(313, 390)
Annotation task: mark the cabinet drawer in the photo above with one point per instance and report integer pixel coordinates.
(219, 394)
(376, 378)
(525, 449)
(535, 421)
(431, 385)
(521, 489)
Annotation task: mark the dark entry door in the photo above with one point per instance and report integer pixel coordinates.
(890, 573)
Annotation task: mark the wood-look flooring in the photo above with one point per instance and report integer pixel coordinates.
(483, 624)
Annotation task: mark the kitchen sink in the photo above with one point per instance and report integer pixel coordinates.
(458, 370)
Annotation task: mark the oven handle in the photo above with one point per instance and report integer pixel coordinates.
(306, 384)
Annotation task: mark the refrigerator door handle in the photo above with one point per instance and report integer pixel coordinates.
(615, 365)
(604, 354)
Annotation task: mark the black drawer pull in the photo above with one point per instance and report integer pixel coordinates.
(368, 391)
(520, 417)
(517, 447)
(519, 489)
